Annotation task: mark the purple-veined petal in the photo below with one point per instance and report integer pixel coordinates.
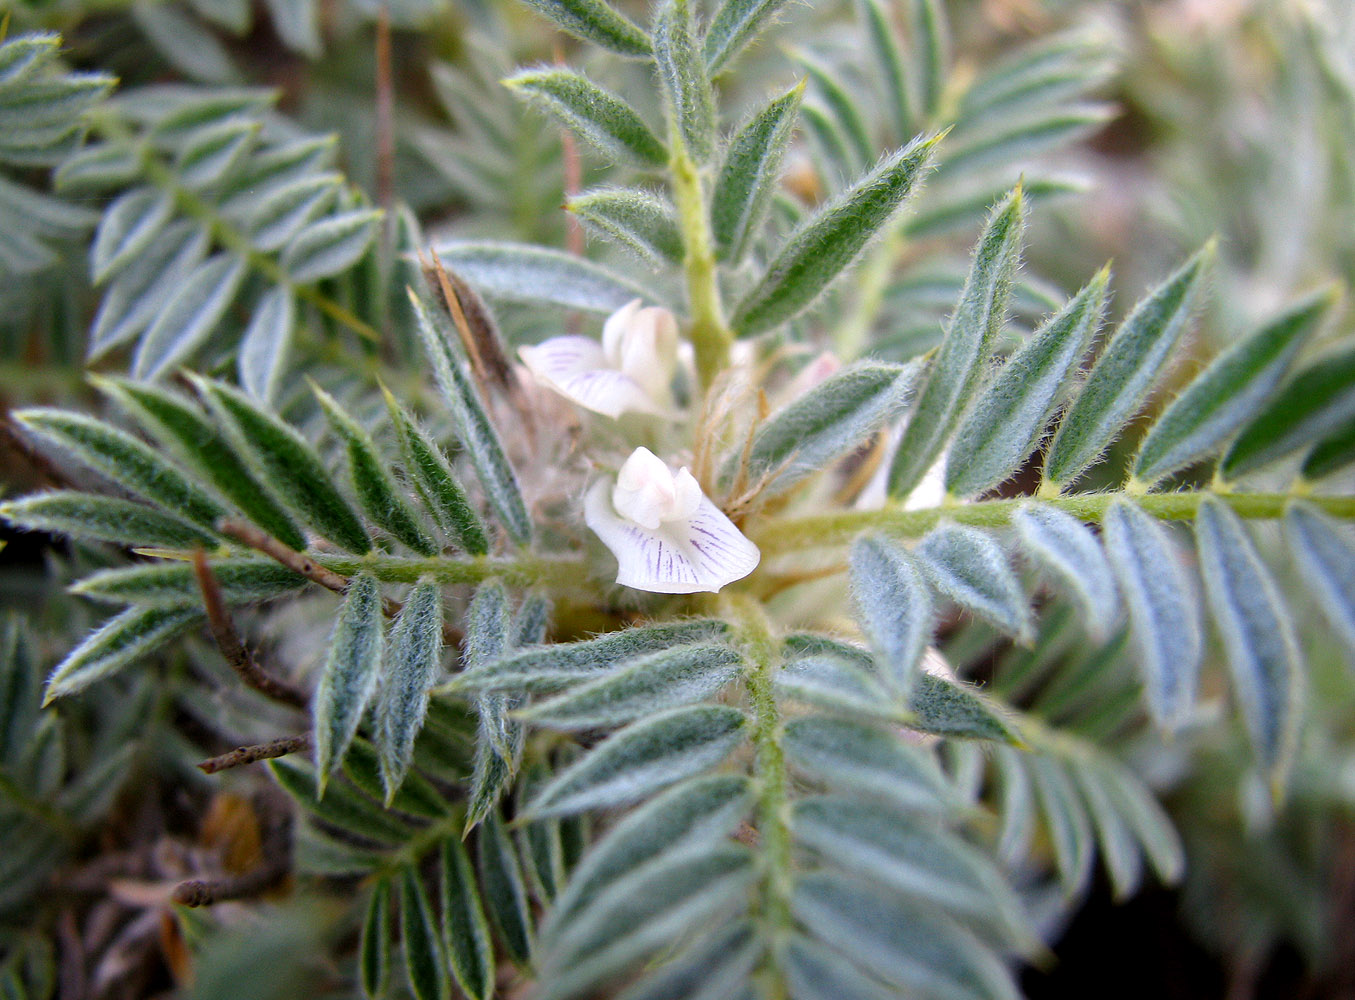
(608, 392)
(561, 357)
(701, 554)
(577, 369)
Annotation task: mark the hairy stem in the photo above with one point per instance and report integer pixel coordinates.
(385, 116)
(424, 841)
(563, 572)
(334, 572)
(710, 335)
(822, 530)
(770, 768)
(297, 562)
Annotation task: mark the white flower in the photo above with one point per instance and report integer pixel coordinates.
(630, 371)
(668, 538)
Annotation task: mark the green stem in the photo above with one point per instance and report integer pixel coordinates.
(564, 572)
(710, 335)
(822, 530)
(232, 239)
(770, 770)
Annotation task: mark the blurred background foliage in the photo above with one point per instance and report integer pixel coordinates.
(1208, 116)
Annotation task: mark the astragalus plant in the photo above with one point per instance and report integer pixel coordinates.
(754, 601)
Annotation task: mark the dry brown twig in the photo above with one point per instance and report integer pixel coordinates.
(275, 846)
(474, 325)
(299, 562)
(241, 756)
(223, 629)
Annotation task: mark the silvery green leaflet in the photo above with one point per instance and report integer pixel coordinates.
(1032, 563)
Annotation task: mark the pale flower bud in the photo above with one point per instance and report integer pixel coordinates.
(649, 494)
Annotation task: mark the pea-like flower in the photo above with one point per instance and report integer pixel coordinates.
(631, 371)
(668, 538)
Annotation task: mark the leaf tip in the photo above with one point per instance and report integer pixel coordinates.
(201, 385)
(472, 821)
(24, 418)
(938, 137)
(1330, 295)
(1207, 254)
(327, 402)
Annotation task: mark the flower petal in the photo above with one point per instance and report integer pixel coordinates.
(648, 493)
(931, 490)
(576, 368)
(702, 554)
(687, 495)
(561, 357)
(644, 491)
(614, 331)
(608, 392)
(648, 351)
